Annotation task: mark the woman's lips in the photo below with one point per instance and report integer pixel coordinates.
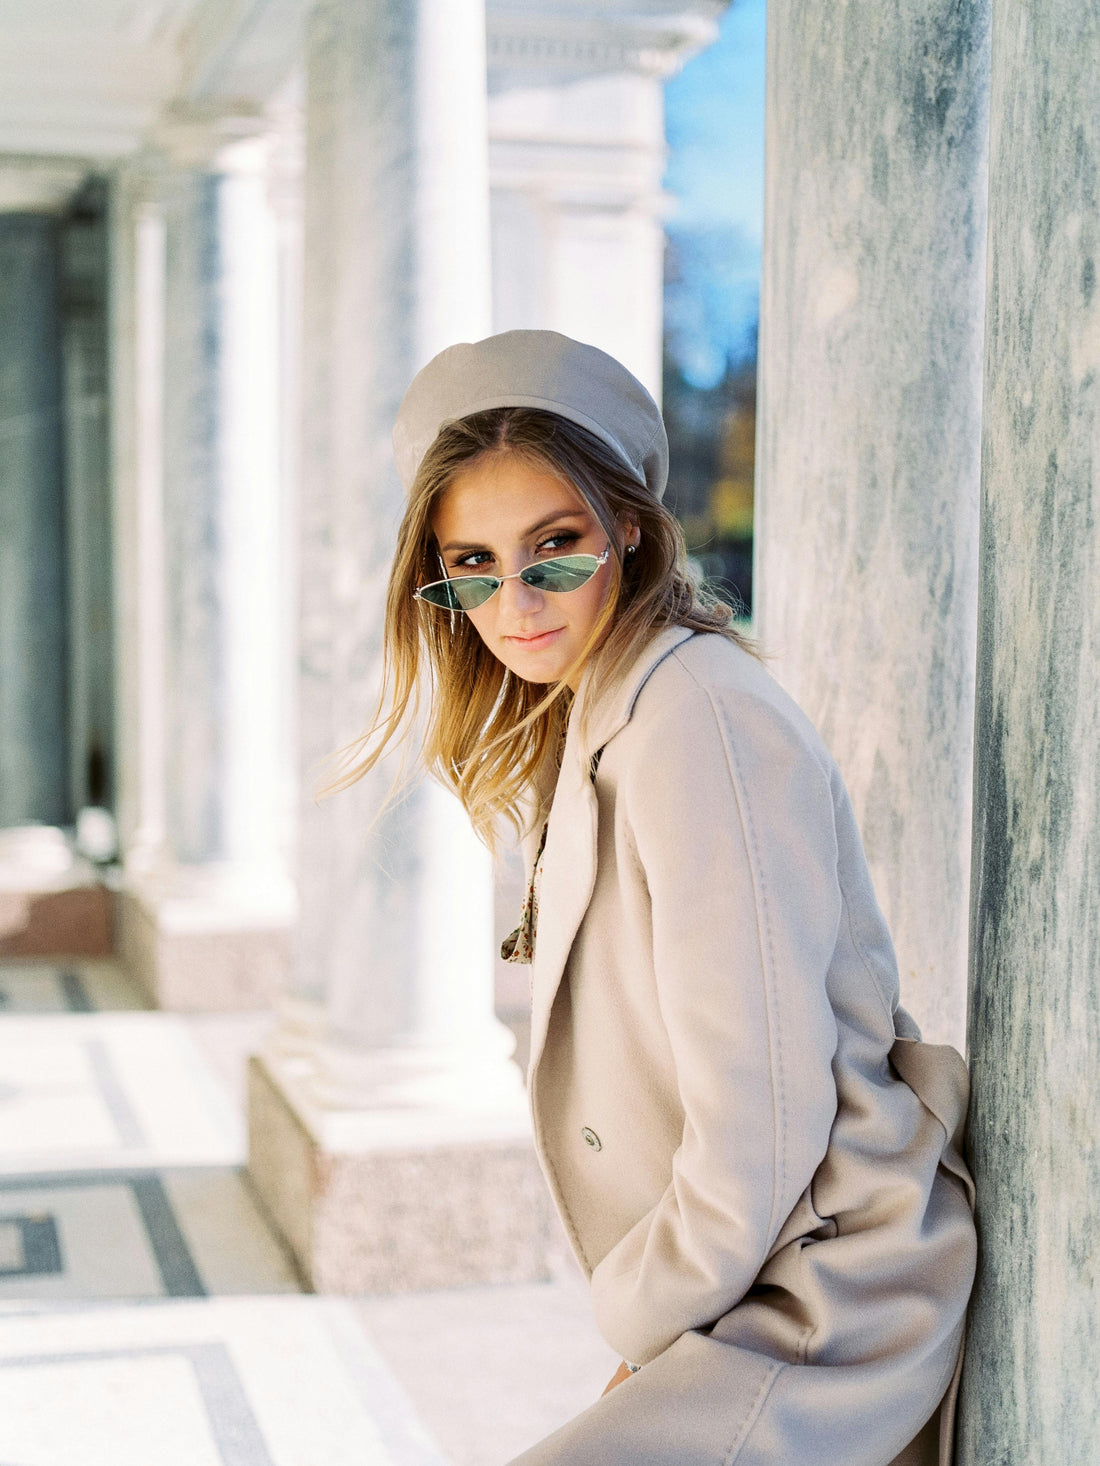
(536, 643)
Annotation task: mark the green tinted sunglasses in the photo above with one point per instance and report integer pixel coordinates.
(467, 592)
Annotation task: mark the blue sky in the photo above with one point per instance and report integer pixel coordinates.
(714, 123)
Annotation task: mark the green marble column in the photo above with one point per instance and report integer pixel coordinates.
(1033, 1356)
(34, 702)
(868, 449)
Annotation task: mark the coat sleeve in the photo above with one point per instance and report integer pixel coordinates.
(731, 812)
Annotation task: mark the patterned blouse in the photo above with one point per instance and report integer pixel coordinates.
(519, 945)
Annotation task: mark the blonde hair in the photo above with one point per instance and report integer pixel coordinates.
(491, 737)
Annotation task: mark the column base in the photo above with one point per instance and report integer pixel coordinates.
(202, 943)
(387, 1201)
(52, 901)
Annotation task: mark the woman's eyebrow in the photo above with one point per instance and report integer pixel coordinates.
(549, 519)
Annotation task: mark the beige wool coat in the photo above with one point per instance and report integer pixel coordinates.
(756, 1159)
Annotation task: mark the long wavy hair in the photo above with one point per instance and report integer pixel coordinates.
(490, 736)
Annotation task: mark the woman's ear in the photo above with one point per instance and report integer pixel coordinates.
(632, 531)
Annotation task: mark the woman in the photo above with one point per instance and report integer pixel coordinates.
(755, 1158)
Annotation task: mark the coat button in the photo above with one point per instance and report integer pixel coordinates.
(590, 1137)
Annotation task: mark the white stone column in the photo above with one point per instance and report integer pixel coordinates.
(1033, 1351)
(205, 923)
(868, 439)
(137, 377)
(577, 155)
(389, 1131)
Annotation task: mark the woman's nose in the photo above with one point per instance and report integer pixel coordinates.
(524, 597)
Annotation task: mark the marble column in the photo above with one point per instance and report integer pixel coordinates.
(206, 924)
(34, 712)
(577, 153)
(389, 1133)
(868, 438)
(576, 157)
(84, 244)
(1033, 1351)
(136, 358)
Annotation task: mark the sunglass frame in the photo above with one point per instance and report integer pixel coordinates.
(498, 580)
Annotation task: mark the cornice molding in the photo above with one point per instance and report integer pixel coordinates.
(232, 138)
(587, 40)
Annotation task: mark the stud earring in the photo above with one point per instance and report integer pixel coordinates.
(630, 549)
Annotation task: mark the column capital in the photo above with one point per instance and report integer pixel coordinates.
(140, 182)
(567, 41)
(224, 140)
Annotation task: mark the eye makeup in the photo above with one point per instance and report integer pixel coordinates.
(561, 542)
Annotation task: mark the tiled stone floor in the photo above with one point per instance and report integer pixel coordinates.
(147, 1312)
(211, 1382)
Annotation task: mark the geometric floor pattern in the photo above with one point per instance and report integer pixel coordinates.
(150, 1317)
(212, 1382)
(105, 1091)
(88, 986)
(136, 1234)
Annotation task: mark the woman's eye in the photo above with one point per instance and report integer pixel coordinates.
(561, 541)
(475, 560)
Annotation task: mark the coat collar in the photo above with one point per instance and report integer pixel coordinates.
(569, 860)
(607, 709)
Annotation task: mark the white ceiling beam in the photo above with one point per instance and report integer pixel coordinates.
(93, 79)
(241, 50)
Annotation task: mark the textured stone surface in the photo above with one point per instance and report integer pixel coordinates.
(395, 934)
(74, 922)
(196, 512)
(34, 753)
(238, 968)
(392, 1220)
(84, 248)
(204, 764)
(396, 267)
(136, 350)
(868, 449)
(281, 1162)
(437, 1218)
(224, 673)
(1029, 1393)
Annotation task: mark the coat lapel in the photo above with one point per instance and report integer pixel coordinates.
(569, 858)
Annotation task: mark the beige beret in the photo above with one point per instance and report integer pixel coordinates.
(541, 369)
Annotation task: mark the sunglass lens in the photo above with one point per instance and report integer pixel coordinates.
(463, 593)
(566, 573)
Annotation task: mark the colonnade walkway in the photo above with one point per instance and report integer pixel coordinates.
(149, 1314)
